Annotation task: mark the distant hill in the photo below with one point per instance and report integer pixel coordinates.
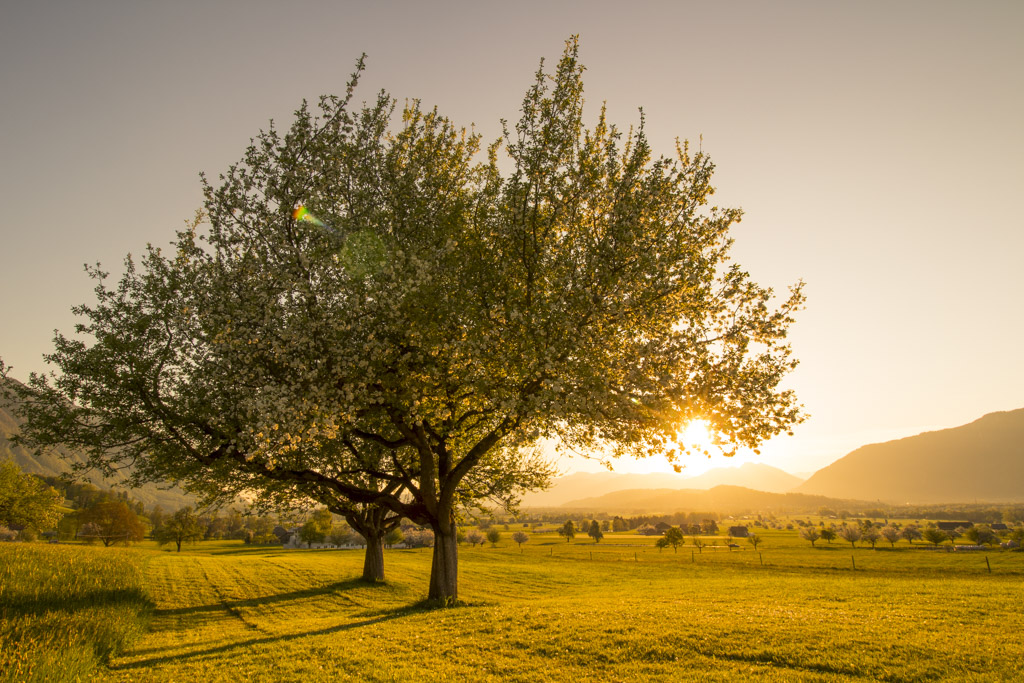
(590, 484)
(60, 460)
(978, 462)
(720, 499)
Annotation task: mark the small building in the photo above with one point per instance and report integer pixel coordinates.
(738, 531)
(952, 526)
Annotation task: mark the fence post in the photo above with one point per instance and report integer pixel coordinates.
(988, 565)
(853, 560)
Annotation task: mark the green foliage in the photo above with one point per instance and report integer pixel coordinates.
(935, 536)
(181, 527)
(754, 540)
(567, 530)
(493, 536)
(594, 531)
(110, 521)
(25, 501)
(317, 527)
(66, 609)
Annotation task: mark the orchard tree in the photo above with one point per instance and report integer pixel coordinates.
(870, 535)
(493, 536)
(850, 533)
(891, 534)
(829, 535)
(183, 526)
(567, 530)
(110, 521)
(754, 540)
(475, 537)
(373, 317)
(674, 537)
(594, 531)
(809, 533)
(520, 537)
(935, 535)
(911, 532)
(317, 527)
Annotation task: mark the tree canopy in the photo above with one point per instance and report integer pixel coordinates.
(374, 318)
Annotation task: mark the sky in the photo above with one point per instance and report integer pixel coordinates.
(876, 149)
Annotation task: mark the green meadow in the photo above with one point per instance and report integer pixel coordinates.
(619, 610)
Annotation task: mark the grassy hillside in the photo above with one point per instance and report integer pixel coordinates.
(979, 462)
(615, 611)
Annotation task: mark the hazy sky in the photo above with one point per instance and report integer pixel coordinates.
(877, 150)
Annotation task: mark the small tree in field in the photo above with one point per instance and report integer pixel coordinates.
(181, 527)
(317, 527)
(568, 530)
(809, 533)
(850, 533)
(911, 533)
(870, 535)
(935, 535)
(111, 521)
(493, 535)
(829, 535)
(520, 537)
(474, 537)
(754, 540)
(594, 531)
(891, 534)
(698, 543)
(674, 538)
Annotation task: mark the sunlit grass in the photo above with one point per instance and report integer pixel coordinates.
(65, 609)
(553, 611)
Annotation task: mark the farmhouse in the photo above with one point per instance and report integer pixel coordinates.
(951, 526)
(738, 531)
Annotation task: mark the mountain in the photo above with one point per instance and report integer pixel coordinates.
(590, 484)
(978, 462)
(724, 500)
(60, 461)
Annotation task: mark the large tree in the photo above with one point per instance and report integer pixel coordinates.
(375, 318)
(26, 501)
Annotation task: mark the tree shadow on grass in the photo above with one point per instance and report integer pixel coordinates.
(319, 591)
(386, 615)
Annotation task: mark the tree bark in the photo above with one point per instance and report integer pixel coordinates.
(444, 569)
(373, 563)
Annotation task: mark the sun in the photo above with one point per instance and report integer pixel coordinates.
(696, 437)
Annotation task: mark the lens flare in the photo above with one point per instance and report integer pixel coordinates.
(303, 214)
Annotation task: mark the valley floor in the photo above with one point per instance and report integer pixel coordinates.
(583, 612)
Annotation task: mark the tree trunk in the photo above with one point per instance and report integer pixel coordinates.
(373, 563)
(444, 570)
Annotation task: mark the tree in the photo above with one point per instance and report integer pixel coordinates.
(891, 534)
(674, 538)
(754, 540)
(871, 535)
(25, 501)
(619, 524)
(110, 521)
(850, 533)
(809, 533)
(934, 535)
(981, 534)
(698, 543)
(493, 535)
(474, 537)
(568, 530)
(911, 532)
(520, 537)
(829, 535)
(316, 528)
(183, 526)
(374, 318)
(594, 531)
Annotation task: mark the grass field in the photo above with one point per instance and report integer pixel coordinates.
(616, 611)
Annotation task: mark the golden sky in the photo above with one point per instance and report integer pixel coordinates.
(876, 149)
